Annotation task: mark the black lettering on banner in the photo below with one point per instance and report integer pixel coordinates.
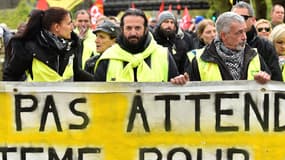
(180, 149)
(232, 151)
(83, 151)
(19, 108)
(53, 155)
(220, 112)
(264, 122)
(26, 150)
(5, 150)
(219, 154)
(50, 107)
(78, 113)
(167, 98)
(154, 150)
(199, 154)
(137, 108)
(277, 126)
(197, 99)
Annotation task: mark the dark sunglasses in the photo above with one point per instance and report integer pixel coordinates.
(246, 17)
(267, 29)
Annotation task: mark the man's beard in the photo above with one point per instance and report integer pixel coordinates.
(138, 43)
(241, 46)
(168, 33)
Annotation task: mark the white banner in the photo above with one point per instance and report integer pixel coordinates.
(230, 120)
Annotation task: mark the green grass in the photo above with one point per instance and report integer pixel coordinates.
(13, 17)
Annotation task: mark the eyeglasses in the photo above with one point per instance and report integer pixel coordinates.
(280, 42)
(267, 29)
(246, 17)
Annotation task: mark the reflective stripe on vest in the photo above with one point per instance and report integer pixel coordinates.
(206, 69)
(43, 73)
(159, 67)
(283, 73)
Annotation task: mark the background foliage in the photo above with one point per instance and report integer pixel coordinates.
(13, 17)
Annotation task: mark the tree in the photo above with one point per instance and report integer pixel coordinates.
(278, 1)
(13, 17)
(218, 7)
(260, 9)
(261, 6)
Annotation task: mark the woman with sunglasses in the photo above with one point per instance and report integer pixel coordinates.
(277, 37)
(263, 28)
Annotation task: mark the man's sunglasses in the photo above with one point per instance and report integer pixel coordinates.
(246, 17)
(267, 29)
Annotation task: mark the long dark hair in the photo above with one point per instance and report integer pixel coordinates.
(38, 21)
(42, 20)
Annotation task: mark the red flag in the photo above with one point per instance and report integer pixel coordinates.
(133, 5)
(170, 7)
(161, 8)
(96, 11)
(42, 5)
(100, 5)
(186, 19)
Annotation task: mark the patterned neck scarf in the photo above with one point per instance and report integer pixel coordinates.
(233, 59)
(54, 41)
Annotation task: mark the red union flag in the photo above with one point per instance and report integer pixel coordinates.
(100, 5)
(42, 5)
(186, 20)
(161, 8)
(96, 11)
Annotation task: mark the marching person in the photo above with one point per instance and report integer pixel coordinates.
(83, 29)
(168, 34)
(106, 34)
(263, 46)
(228, 57)
(277, 15)
(136, 57)
(45, 50)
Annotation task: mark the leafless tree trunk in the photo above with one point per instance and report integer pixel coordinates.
(260, 8)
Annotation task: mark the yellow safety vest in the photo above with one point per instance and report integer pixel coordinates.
(283, 73)
(89, 46)
(43, 73)
(206, 69)
(157, 73)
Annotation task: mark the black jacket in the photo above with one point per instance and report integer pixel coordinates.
(267, 51)
(90, 64)
(23, 53)
(210, 55)
(178, 45)
(198, 43)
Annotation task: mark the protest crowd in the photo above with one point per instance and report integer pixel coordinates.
(53, 45)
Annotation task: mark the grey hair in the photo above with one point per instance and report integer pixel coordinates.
(225, 20)
(242, 4)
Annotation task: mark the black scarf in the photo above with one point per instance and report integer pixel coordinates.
(51, 40)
